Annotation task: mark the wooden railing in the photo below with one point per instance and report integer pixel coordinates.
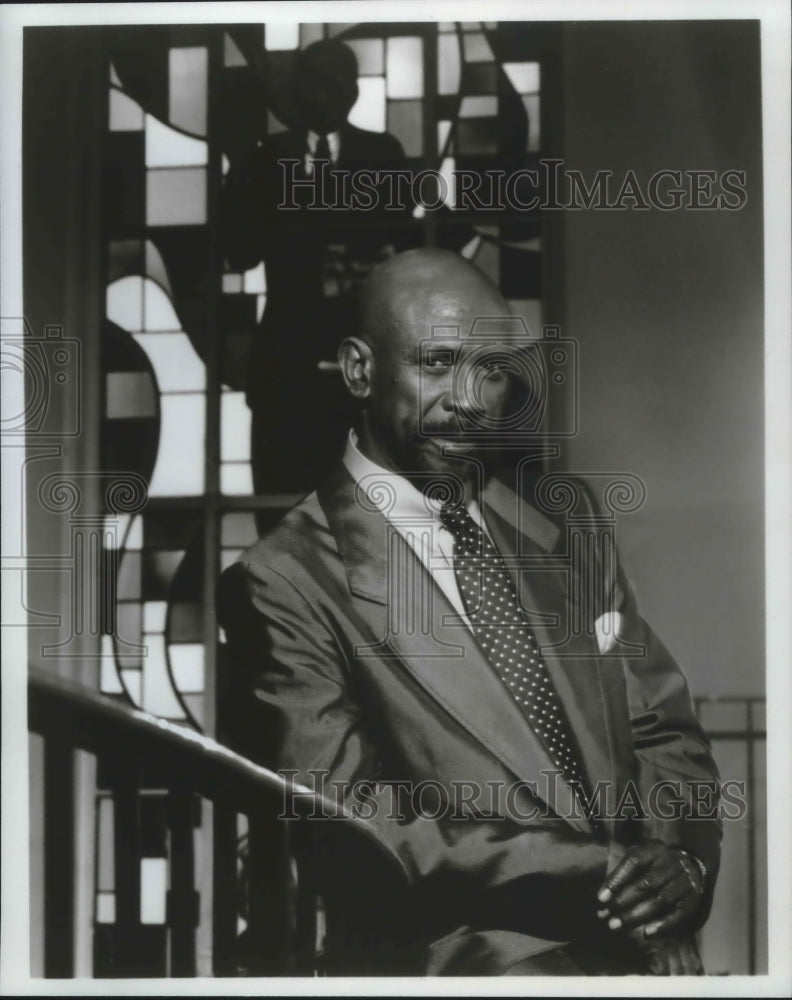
(322, 897)
(291, 898)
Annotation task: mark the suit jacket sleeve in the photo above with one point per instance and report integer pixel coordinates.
(308, 716)
(679, 780)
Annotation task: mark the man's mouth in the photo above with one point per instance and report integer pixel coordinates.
(451, 443)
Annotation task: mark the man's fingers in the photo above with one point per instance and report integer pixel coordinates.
(666, 923)
(656, 906)
(645, 886)
(634, 861)
(691, 960)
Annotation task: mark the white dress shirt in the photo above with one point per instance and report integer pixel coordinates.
(415, 518)
(333, 141)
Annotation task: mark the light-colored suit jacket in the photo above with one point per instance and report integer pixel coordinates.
(357, 666)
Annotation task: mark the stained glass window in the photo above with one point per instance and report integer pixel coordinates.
(182, 323)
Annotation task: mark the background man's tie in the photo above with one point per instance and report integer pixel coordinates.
(322, 149)
(501, 627)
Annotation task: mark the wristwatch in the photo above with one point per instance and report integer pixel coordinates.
(697, 865)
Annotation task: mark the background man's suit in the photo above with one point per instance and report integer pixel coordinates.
(342, 677)
(315, 259)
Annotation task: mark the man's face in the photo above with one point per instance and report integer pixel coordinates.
(326, 92)
(436, 390)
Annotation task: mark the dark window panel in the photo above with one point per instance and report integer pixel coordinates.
(124, 194)
(185, 622)
(168, 529)
(477, 136)
(159, 571)
(479, 78)
(153, 826)
(521, 273)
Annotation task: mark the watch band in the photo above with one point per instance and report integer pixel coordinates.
(699, 865)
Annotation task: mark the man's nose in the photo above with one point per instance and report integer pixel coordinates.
(476, 396)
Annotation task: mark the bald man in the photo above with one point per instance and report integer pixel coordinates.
(390, 641)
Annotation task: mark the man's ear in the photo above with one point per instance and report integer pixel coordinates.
(356, 361)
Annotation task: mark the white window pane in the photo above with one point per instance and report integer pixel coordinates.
(478, 107)
(525, 77)
(154, 615)
(134, 537)
(255, 280)
(158, 311)
(447, 168)
(187, 666)
(109, 681)
(477, 48)
(179, 470)
(153, 890)
(105, 908)
(165, 147)
(449, 66)
(228, 557)
(232, 283)
(370, 54)
(279, 35)
(188, 89)
(131, 679)
(126, 115)
(124, 303)
(235, 418)
(159, 698)
(176, 364)
(236, 479)
(369, 109)
(405, 67)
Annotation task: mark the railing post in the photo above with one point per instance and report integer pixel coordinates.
(271, 903)
(183, 898)
(127, 869)
(58, 858)
(224, 889)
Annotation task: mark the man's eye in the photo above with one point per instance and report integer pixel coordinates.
(437, 364)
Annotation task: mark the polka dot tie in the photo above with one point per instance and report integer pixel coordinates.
(500, 624)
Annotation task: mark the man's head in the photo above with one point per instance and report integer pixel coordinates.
(326, 85)
(430, 390)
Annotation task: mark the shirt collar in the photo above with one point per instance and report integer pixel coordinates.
(392, 494)
(333, 141)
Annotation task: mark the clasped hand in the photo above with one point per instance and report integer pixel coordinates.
(655, 894)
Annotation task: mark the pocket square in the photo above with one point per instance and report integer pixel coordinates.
(607, 628)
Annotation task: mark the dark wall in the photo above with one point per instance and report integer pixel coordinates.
(668, 309)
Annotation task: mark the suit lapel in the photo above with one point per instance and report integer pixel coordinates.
(547, 593)
(424, 635)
